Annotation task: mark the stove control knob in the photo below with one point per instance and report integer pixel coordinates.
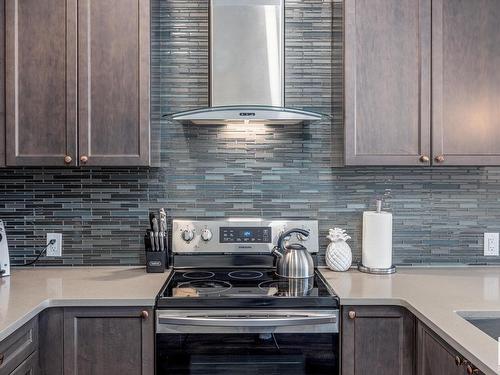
(187, 235)
(206, 234)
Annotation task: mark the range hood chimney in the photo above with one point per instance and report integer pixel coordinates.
(246, 66)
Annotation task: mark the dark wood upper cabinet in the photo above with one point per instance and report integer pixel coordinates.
(377, 340)
(2, 86)
(77, 82)
(113, 62)
(387, 82)
(41, 82)
(466, 81)
(111, 341)
(435, 357)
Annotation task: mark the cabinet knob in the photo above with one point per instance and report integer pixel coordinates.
(439, 158)
(471, 370)
(144, 314)
(458, 360)
(84, 159)
(68, 159)
(424, 159)
(352, 314)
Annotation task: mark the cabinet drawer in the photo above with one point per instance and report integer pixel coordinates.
(28, 367)
(18, 346)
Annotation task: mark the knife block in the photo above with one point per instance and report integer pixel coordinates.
(156, 261)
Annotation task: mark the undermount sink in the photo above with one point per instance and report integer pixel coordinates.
(486, 321)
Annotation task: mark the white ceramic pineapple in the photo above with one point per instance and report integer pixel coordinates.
(338, 253)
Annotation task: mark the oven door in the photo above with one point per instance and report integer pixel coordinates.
(247, 342)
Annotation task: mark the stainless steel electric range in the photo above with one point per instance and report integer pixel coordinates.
(223, 310)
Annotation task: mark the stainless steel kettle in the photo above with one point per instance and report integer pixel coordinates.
(293, 260)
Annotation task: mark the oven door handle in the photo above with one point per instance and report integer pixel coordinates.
(251, 321)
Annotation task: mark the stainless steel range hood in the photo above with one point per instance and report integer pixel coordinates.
(246, 66)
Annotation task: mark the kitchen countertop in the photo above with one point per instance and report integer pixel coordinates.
(433, 295)
(28, 291)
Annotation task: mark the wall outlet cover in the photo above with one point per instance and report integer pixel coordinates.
(491, 244)
(54, 250)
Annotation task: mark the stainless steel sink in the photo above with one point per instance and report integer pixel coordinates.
(488, 322)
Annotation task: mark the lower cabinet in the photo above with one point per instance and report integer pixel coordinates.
(435, 357)
(97, 341)
(108, 341)
(28, 367)
(18, 352)
(377, 340)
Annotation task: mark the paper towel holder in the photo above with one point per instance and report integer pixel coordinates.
(376, 271)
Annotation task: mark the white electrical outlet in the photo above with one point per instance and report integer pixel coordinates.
(490, 244)
(54, 250)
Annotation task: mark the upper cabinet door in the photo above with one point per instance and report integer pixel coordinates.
(466, 82)
(387, 82)
(113, 61)
(2, 86)
(40, 82)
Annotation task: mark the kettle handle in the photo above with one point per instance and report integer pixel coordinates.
(276, 252)
(281, 238)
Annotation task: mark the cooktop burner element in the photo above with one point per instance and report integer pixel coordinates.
(243, 288)
(200, 288)
(244, 274)
(287, 287)
(197, 275)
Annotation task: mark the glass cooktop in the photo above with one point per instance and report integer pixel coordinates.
(243, 288)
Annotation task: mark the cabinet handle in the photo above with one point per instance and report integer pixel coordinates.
(458, 361)
(144, 314)
(439, 158)
(352, 314)
(68, 159)
(471, 370)
(84, 159)
(2, 356)
(424, 159)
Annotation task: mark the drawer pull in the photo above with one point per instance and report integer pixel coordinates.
(352, 314)
(144, 314)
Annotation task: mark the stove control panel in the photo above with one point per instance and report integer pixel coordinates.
(245, 234)
(239, 236)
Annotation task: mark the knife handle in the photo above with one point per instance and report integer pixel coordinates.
(162, 241)
(152, 240)
(152, 215)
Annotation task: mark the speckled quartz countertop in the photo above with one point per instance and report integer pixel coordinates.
(28, 291)
(435, 296)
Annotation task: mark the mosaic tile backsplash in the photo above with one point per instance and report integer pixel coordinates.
(271, 171)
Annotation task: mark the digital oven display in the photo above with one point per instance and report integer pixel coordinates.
(245, 235)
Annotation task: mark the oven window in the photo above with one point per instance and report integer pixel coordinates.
(247, 353)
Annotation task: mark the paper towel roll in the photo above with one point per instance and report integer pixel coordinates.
(377, 239)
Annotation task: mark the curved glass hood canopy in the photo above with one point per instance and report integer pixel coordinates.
(246, 115)
(246, 66)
